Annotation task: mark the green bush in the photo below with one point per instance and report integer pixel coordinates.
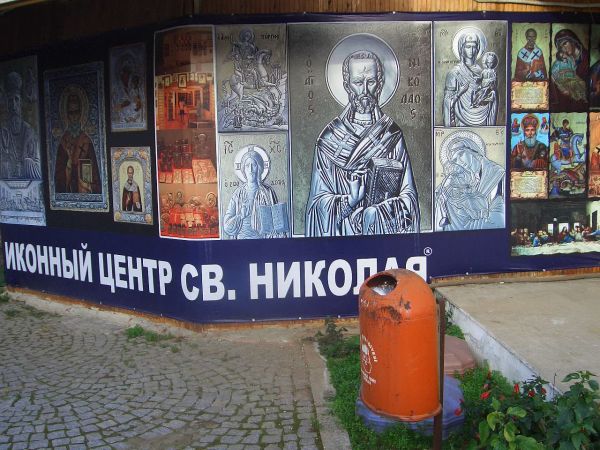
(523, 419)
(498, 415)
(134, 332)
(150, 336)
(451, 328)
(332, 343)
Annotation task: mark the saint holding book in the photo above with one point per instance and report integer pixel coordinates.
(254, 203)
(354, 155)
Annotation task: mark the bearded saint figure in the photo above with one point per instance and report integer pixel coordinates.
(337, 204)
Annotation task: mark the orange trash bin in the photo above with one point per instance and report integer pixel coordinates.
(399, 346)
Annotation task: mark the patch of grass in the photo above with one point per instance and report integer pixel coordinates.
(12, 313)
(314, 423)
(134, 332)
(4, 297)
(451, 328)
(454, 330)
(37, 313)
(344, 369)
(332, 343)
(150, 336)
(175, 349)
(345, 377)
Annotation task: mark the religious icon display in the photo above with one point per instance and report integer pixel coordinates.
(77, 174)
(570, 66)
(254, 186)
(595, 67)
(529, 155)
(132, 185)
(252, 77)
(128, 105)
(469, 178)
(567, 177)
(550, 228)
(21, 193)
(360, 117)
(594, 159)
(470, 73)
(185, 123)
(530, 60)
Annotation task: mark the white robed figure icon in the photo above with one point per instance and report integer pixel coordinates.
(470, 196)
(468, 101)
(254, 211)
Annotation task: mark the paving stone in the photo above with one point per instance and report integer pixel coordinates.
(23, 437)
(290, 437)
(252, 438)
(207, 439)
(73, 432)
(38, 444)
(270, 439)
(56, 435)
(230, 439)
(59, 442)
(174, 424)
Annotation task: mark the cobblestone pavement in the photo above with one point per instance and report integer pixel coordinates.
(75, 380)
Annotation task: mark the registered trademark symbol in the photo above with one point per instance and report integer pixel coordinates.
(427, 251)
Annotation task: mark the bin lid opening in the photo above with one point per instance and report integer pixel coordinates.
(382, 284)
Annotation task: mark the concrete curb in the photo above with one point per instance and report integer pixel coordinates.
(489, 349)
(333, 435)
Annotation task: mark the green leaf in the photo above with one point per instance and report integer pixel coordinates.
(528, 443)
(593, 384)
(516, 411)
(494, 418)
(497, 444)
(495, 404)
(566, 445)
(582, 410)
(484, 432)
(571, 376)
(510, 430)
(589, 427)
(577, 439)
(565, 416)
(472, 445)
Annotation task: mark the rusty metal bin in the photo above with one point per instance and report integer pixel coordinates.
(399, 346)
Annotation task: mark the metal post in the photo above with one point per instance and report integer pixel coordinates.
(438, 419)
